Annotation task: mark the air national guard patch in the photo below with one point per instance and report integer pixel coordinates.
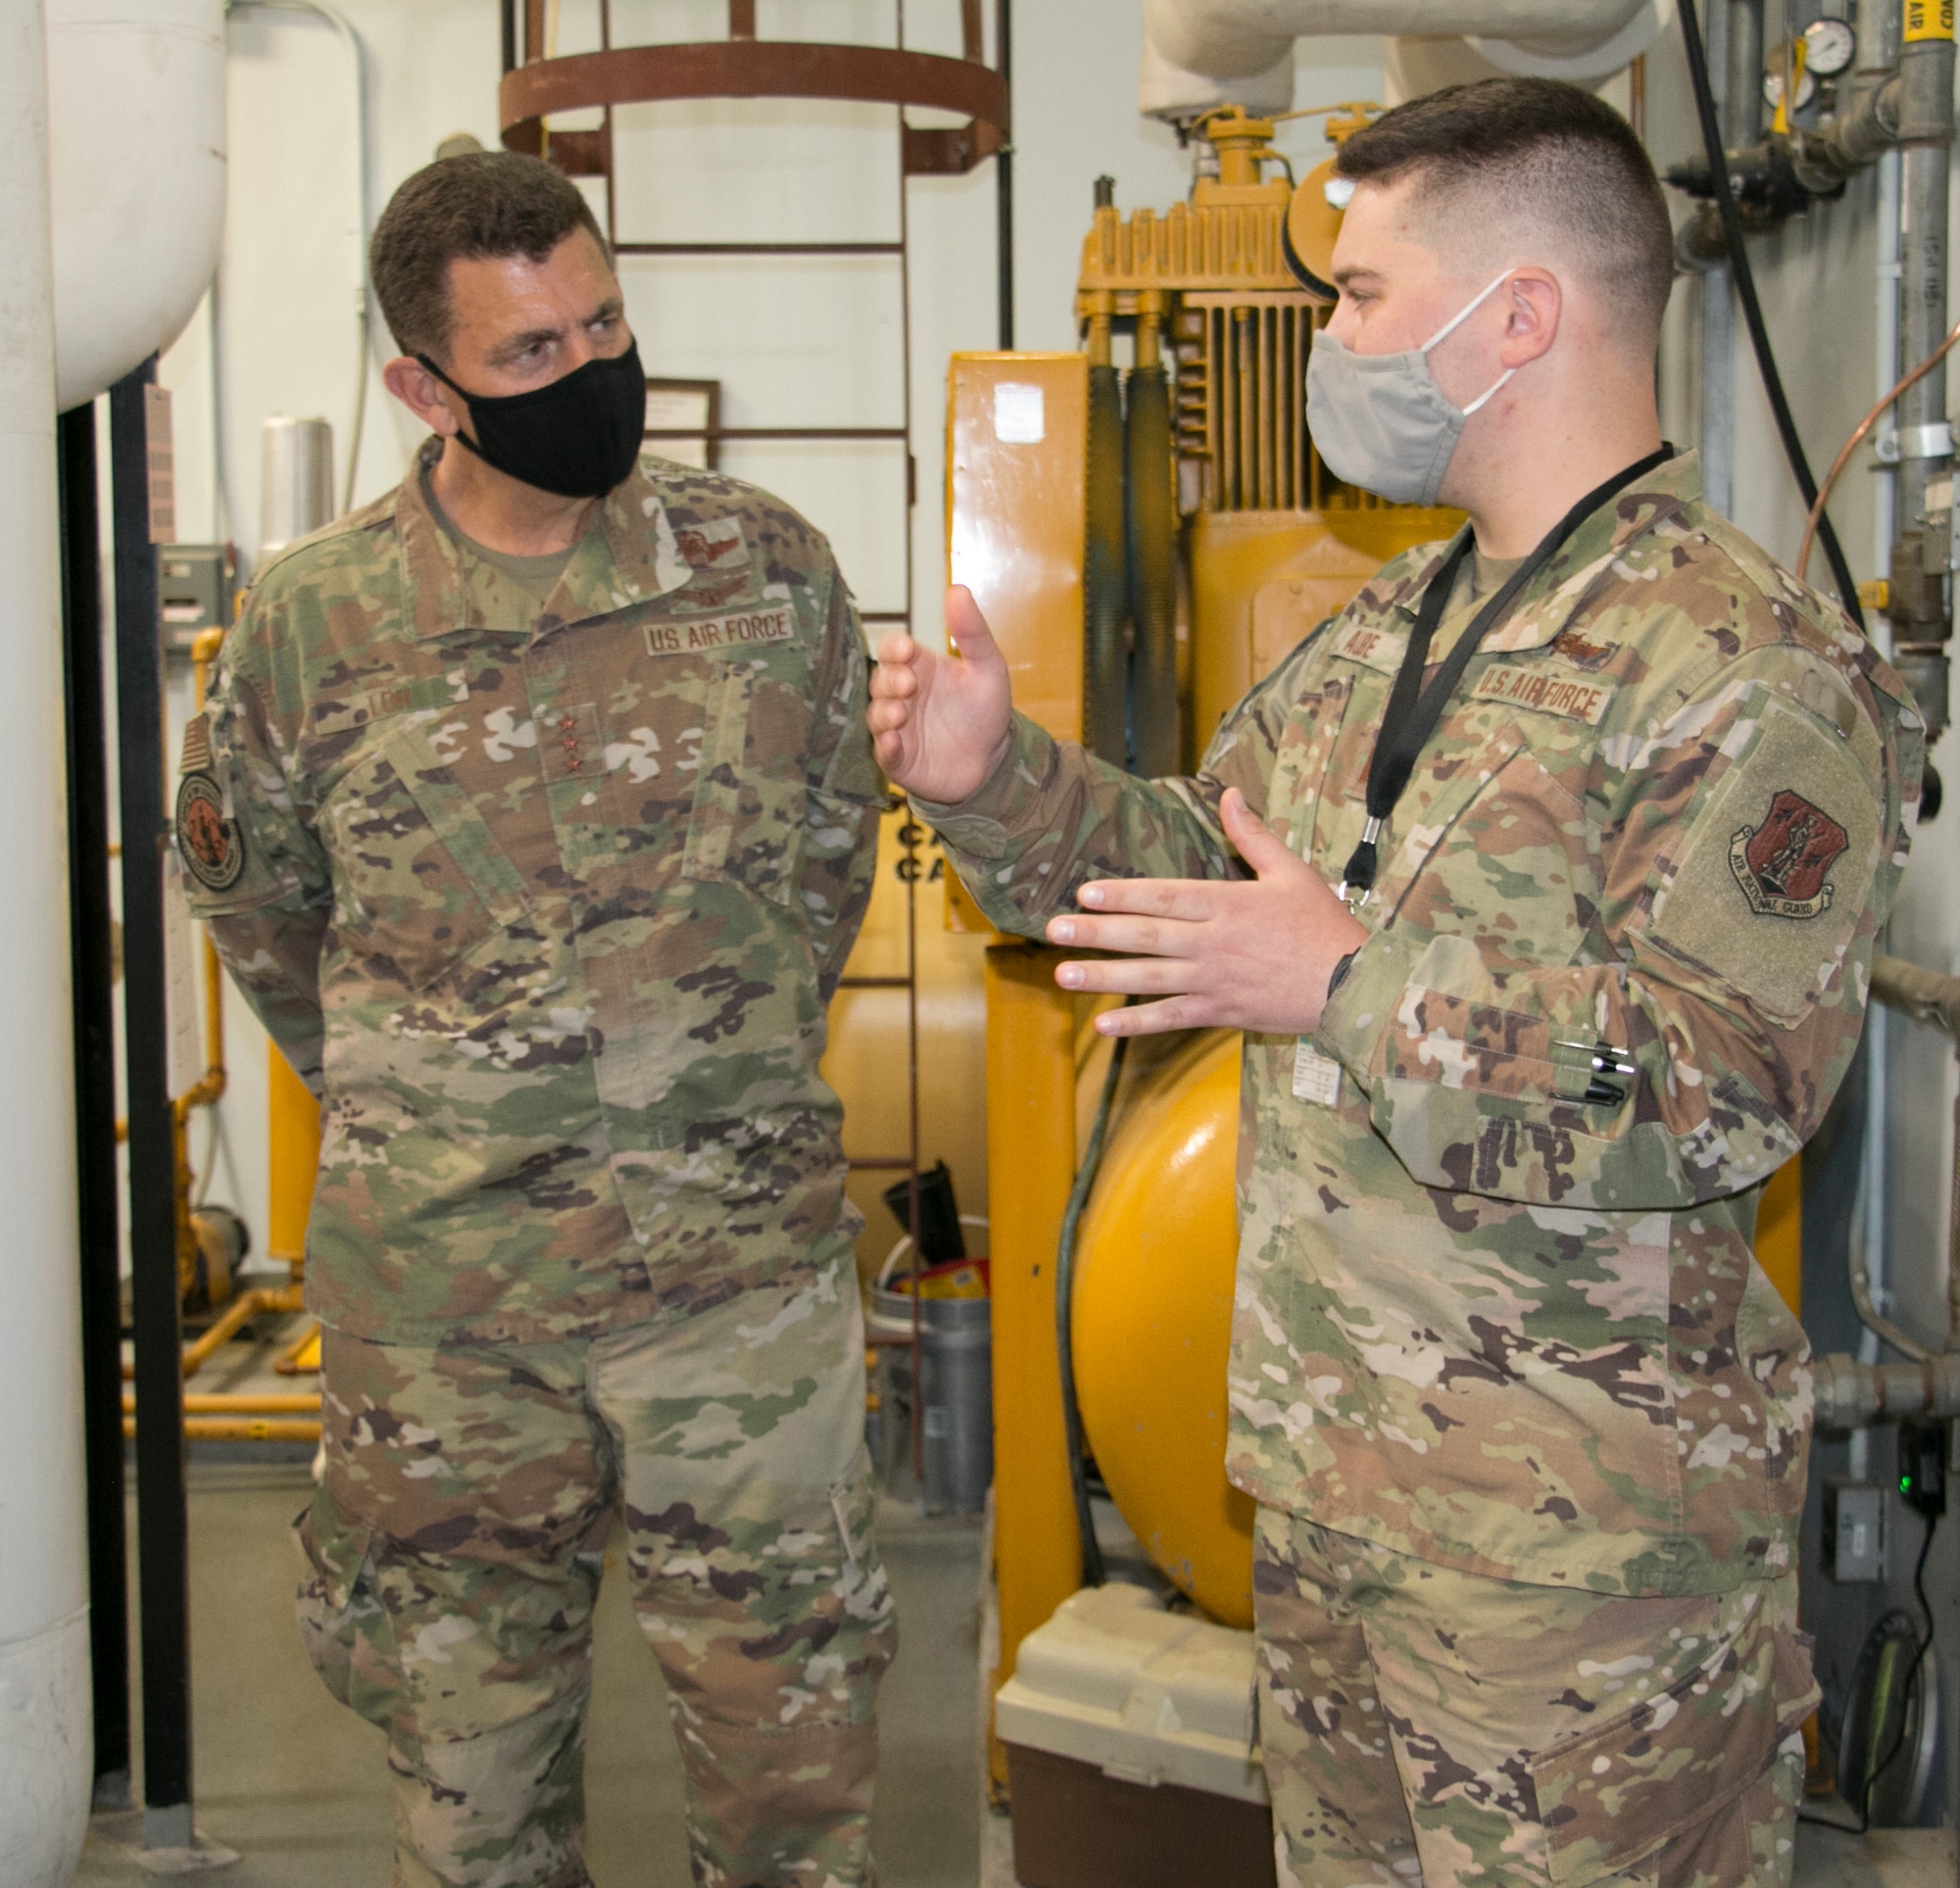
(1781, 864)
(207, 840)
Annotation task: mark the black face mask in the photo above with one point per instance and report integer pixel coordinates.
(577, 436)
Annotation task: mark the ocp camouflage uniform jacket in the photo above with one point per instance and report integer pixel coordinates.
(549, 921)
(1480, 1319)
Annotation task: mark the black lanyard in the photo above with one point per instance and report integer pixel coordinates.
(1412, 712)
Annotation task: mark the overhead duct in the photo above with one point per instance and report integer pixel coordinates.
(1201, 53)
(136, 162)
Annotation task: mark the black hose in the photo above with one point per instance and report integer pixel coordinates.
(1151, 544)
(1106, 678)
(1911, 1679)
(1064, 1327)
(1752, 309)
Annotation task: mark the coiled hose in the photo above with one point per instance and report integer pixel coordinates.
(1150, 541)
(1105, 707)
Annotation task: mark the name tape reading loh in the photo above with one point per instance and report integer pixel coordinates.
(712, 633)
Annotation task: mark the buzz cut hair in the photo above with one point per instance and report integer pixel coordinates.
(475, 205)
(1540, 158)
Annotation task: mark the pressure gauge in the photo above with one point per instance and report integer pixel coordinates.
(1806, 89)
(1828, 47)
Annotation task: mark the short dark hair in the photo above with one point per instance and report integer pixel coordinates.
(483, 203)
(1552, 156)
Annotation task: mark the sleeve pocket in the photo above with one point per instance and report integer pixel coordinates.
(1611, 1798)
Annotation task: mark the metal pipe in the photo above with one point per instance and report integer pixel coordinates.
(90, 959)
(1921, 614)
(273, 1403)
(1852, 1394)
(1742, 106)
(162, 1538)
(1718, 316)
(1003, 178)
(263, 1301)
(239, 1428)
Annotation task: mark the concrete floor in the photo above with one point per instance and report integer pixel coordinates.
(296, 1784)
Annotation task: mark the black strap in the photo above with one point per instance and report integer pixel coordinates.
(1412, 712)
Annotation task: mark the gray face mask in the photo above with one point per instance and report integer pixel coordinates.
(1380, 421)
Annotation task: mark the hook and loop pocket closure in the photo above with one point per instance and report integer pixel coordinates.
(422, 878)
(747, 824)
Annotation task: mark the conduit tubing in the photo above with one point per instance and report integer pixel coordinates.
(1150, 548)
(1105, 680)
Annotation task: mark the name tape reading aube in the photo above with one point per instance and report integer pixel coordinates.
(712, 633)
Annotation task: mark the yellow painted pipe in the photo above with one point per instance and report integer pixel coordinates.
(264, 1301)
(242, 1404)
(1031, 1031)
(239, 1428)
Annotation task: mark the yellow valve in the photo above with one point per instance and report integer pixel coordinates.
(1240, 140)
(1875, 593)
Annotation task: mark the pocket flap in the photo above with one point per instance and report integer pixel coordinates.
(1613, 1796)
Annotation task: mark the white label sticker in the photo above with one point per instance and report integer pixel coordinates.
(1019, 416)
(1316, 1078)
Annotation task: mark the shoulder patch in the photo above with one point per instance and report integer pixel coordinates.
(209, 839)
(1781, 863)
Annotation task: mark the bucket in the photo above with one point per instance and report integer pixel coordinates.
(956, 1366)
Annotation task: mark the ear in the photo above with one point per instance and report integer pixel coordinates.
(1533, 306)
(422, 394)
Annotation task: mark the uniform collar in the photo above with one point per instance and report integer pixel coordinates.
(1557, 593)
(631, 558)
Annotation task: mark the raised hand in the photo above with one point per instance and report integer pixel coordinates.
(1238, 953)
(940, 727)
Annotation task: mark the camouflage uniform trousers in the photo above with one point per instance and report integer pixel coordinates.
(1423, 1726)
(454, 1551)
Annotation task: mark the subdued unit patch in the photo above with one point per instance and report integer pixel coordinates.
(1774, 947)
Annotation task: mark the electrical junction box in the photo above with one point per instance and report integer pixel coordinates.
(1133, 1758)
(1854, 1530)
(194, 586)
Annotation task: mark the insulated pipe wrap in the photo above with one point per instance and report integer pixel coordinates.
(1106, 701)
(1150, 541)
(136, 154)
(1851, 1395)
(45, 1738)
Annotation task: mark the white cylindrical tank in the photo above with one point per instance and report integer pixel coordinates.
(1200, 53)
(136, 155)
(295, 481)
(46, 1756)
